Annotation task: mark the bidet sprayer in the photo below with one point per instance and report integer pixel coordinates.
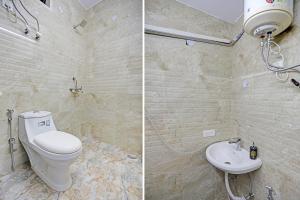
(9, 114)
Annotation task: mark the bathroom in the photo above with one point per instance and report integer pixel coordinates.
(149, 100)
(85, 68)
(199, 93)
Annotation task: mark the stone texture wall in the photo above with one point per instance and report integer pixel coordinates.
(38, 75)
(267, 113)
(188, 90)
(105, 56)
(113, 73)
(264, 112)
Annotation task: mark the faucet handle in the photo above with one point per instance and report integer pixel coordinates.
(234, 140)
(271, 191)
(269, 188)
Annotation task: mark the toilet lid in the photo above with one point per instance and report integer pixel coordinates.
(58, 142)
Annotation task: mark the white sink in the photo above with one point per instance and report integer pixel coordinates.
(227, 158)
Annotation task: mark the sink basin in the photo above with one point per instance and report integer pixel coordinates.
(227, 158)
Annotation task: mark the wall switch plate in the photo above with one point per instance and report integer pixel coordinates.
(209, 133)
(245, 83)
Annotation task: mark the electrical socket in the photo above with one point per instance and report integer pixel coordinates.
(245, 83)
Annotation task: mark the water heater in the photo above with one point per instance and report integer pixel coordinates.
(264, 16)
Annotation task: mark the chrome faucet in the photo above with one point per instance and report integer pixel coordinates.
(76, 90)
(270, 193)
(236, 141)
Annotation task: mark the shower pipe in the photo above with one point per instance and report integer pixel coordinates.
(267, 44)
(36, 20)
(11, 140)
(26, 31)
(173, 33)
(230, 194)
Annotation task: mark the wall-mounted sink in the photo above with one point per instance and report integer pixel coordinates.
(231, 159)
(228, 158)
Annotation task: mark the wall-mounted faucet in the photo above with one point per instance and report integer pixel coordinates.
(76, 90)
(270, 193)
(236, 141)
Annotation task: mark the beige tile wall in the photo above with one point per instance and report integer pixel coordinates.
(38, 75)
(183, 89)
(113, 73)
(267, 113)
(105, 56)
(188, 90)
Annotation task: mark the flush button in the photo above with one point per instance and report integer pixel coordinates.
(42, 123)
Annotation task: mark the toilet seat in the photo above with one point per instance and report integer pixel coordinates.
(58, 142)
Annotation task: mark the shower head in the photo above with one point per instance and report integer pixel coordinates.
(82, 24)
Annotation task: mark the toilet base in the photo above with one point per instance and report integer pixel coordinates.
(51, 184)
(55, 173)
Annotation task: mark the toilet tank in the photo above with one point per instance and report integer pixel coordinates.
(34, 123)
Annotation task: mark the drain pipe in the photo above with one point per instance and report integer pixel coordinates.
(11, 140)
(230, 194)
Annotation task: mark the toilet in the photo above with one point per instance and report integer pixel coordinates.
(51, 152)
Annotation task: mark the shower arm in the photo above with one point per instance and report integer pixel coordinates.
(172, 33)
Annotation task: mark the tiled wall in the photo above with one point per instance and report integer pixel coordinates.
(113, 73)
(188, 90)
(105, 56)
(38, 75)
(267, 112)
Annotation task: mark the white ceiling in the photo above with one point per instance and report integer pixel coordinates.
(87, 4)
(226, 10)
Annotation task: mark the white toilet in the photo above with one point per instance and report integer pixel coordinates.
(50, 152)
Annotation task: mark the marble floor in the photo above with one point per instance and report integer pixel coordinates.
(103, 172)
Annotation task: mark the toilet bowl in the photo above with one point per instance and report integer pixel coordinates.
(50, 152)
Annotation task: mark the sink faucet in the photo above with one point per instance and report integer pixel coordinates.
(236, 141)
